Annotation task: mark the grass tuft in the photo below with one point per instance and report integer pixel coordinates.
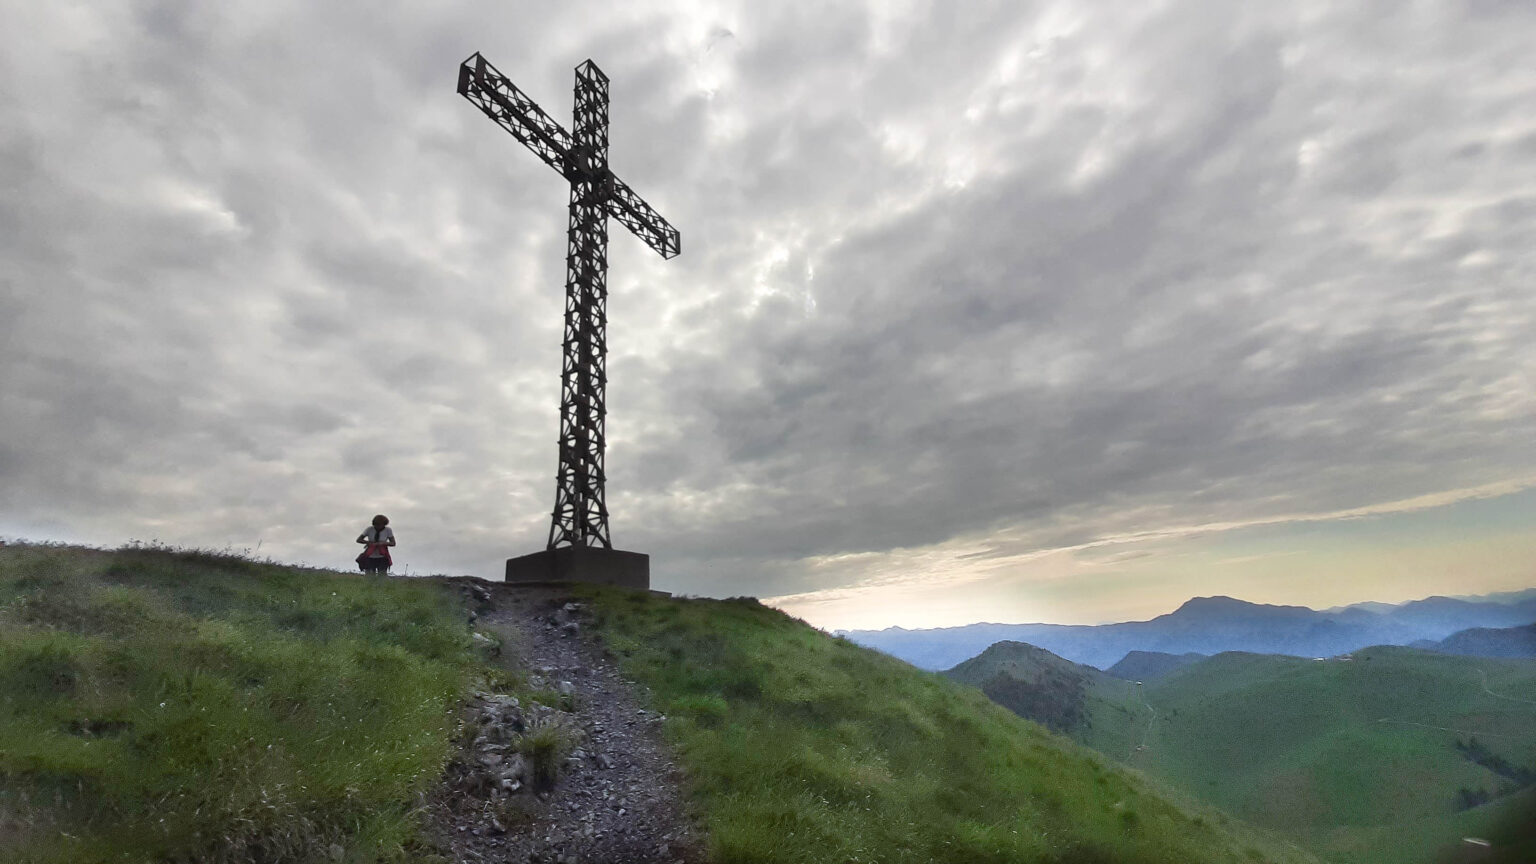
(545, 744)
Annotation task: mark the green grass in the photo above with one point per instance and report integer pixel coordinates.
(1299, 746)
(806, 748)
(190, 706)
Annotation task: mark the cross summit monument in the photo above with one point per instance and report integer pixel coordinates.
(579, 548)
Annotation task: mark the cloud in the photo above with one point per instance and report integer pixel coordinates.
(1049, 275)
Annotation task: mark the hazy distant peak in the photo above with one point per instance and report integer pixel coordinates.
(1436, 600)
(1218, 601)
(1508, 598)
(1372, 607)
(1223, 605)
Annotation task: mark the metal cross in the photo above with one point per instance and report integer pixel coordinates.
(581, 512)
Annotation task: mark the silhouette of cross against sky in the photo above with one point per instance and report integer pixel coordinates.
(580, 516)
(1019, 312)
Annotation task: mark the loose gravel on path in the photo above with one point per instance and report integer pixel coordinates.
(617, 797)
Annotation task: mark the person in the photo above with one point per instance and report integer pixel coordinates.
(375, 558)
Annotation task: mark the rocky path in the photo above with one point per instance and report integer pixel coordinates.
(616, 796)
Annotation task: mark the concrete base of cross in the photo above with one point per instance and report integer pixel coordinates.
(583, 564)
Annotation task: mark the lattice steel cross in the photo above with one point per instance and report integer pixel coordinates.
(581, 512)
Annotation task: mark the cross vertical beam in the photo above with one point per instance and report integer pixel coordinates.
(580, 519)
(581, 509)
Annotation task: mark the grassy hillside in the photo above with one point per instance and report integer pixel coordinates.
(187, 706)
(1358, 758)
(1031, 682)
(1337, 750)
(806, 748)
(1323, 749)
(172, 706)
(1147, 665)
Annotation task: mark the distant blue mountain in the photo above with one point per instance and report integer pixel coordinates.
(1501, 597)
(1211, 625)
(1490, 642)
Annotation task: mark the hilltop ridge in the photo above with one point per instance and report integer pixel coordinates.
(274, 713)
(1031, 682)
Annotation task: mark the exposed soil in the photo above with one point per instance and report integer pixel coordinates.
(616, 796)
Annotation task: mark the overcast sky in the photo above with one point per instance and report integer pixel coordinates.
(1014, 311)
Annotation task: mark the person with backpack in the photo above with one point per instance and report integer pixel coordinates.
(375, 558)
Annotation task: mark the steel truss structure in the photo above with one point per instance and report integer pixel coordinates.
(580, 516)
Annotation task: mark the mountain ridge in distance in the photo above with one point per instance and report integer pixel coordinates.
(1212, 625)
(1514, 642)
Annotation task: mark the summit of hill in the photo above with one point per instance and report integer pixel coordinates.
(191, 706)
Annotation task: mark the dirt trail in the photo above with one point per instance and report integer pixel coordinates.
(617, 797)
(1483, 682)
(1483, 674)
(1146, 734)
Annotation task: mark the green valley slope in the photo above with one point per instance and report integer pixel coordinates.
(1379, 757)
(804, 747)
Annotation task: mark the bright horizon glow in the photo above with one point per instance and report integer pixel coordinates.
(1470, 542)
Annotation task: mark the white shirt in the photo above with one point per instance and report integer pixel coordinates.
(379, 535)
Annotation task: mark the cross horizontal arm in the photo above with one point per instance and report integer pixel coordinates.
(636, 215)
(499, 98)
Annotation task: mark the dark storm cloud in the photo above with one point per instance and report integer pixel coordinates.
(1044, 273)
